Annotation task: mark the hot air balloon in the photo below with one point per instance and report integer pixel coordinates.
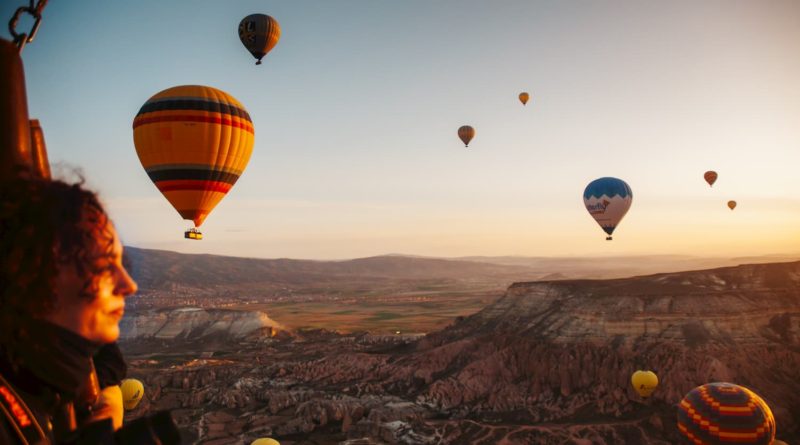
(265, 441)
(644, 382)
(466, 133)
(523, 97)
(723, 413)
(194, 142)
(132, 393)
(731, 205)
(710, 177)
(259, 33)
(607, 200)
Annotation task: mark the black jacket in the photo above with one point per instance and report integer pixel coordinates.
(50, 369)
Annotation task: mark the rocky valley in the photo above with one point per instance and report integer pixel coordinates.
(549, 362)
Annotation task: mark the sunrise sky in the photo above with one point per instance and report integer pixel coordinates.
(356, 111)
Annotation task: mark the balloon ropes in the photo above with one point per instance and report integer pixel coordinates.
(724, 413)
(607, 200)
(194, 142)
(259, 33)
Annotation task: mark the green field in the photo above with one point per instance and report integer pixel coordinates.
(407, 314)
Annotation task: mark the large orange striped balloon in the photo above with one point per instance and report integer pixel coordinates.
(194, 142)
(724, 413)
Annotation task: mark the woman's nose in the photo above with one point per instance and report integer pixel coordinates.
(125, 284)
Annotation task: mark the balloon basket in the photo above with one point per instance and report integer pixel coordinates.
(608, 238)
(193, 234)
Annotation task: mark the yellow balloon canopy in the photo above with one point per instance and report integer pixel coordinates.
(265, 441)
(194, 142)
(132, 393)
(644, 382)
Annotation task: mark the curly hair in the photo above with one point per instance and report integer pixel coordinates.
(45, 225)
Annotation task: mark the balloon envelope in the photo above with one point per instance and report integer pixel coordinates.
(466, 133)
(644, 382)
(259, 33)
(607, 200)
(731, 205)
(710, 177)
(265, 441)
(194, 142)
(523, 97)
(723, 413)
(132, 393)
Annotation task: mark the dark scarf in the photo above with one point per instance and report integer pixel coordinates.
(50, 354)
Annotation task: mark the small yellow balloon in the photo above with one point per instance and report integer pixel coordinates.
(265, 441)
(644, 382)
(132, 393)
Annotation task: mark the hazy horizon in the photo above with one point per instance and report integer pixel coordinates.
(356, 110)
(468, 257)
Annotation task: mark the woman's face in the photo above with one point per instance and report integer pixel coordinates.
(97, 318)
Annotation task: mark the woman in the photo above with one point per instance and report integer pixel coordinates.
(62, 295)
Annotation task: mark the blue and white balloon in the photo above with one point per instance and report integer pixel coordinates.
(608, 200)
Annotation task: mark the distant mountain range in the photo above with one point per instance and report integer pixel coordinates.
(163, 270)
(157, 269)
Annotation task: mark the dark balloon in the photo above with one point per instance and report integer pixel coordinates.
(259, 33)
(466, 133)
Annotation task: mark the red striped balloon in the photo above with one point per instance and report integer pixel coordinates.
(194, 142)
(724, 413)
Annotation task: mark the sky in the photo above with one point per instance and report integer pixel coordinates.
(356, 111)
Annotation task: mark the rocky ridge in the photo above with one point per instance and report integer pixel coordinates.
(193, 324)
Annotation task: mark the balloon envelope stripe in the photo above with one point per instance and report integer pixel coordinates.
(171, 104)
(212, 186)
(139, 121)
(163, 167)
(193, 174)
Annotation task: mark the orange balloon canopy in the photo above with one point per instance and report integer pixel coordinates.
(523, 97)
(466, 133)
(710, 177)
(194, 142)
